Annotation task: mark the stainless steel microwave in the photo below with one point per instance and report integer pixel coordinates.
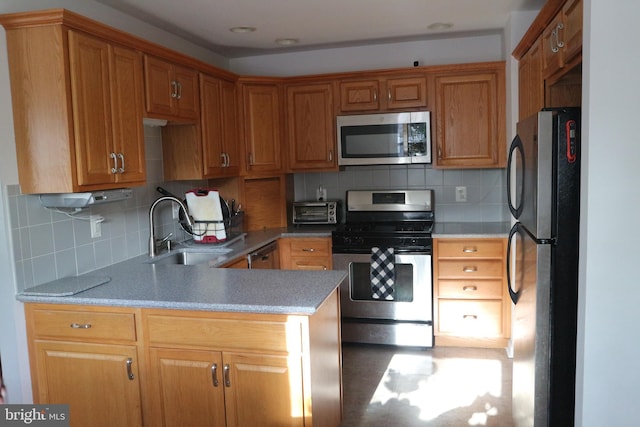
(318, 212)
(384, 139)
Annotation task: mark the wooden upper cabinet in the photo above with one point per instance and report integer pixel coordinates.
(469, 124)
(530, 82)
(359, 95)
(171, 90)
(383, 93)
(77, 108)
(262, 127)
(311, 127)
(562, 39)
(219, 121)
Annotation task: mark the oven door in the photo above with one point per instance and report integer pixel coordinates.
(413, 288)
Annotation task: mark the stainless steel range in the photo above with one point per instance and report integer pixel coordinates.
(397, 223)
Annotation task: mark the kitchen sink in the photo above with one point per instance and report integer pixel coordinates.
(181, 257)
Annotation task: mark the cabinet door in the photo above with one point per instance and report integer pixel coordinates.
(230, 139)
(305, 253)
(405, 92)
(90, 95)
(470, 118)
(187, 104)
(263, 390)
(127, 106)
(362, 95)
(93, 379)
(572, 37)
(189, 387)
(310, 120)
(262, 127)
(530, 82)
(159, 86)
(212, 138)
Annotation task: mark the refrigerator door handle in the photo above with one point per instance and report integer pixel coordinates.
(516, 144)
(515, 295)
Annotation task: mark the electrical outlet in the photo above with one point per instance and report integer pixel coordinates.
(461, 194)
(96, 227)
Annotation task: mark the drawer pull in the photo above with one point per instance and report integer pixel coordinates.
(469, 249)
(472, 269)
(130, 369)
(469, 288)
(308, 250)
(470, 317)
(227, 379)
(214, 374)
(80, 325)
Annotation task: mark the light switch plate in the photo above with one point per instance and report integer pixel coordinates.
(461, 194)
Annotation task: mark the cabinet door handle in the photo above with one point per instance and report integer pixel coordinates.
(121, 168)
(130, 369)
(227, 163)
(470, 249)
(389, 94)
(114, 169)
(214, 374)
(308, 250)
(331, 155)
(227, 378)
(471, 269)
(469, 288)
(470, 316)
(439, 152)
(375, 96)
(224, 160)
(559, 43)
(250, 159)
(174, 89)
(80, 325)
(179, 96)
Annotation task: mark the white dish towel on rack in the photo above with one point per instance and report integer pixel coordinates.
(206, 208)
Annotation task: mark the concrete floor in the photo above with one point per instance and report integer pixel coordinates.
(441, 386)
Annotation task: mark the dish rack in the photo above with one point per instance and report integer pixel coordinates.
(233, 227)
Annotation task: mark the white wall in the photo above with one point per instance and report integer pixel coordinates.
(608, 341)
(12, 331)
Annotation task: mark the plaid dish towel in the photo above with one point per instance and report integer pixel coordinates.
(383, 275)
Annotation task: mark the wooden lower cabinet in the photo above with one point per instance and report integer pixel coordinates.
(87, 358)
(305, 253)
(160, 367)
(472, 307)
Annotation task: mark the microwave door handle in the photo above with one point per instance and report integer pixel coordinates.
(405, 139)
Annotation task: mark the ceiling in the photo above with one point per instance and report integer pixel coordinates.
(318, 23)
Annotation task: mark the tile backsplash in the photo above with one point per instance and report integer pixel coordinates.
(486, 188)
(48, 245)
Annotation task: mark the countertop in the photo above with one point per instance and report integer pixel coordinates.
(138, 283)
(471, 229)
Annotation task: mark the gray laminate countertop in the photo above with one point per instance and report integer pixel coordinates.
(138, 283)
(471, 229)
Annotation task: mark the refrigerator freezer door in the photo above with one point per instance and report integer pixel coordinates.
(531, 330)
(532, 161)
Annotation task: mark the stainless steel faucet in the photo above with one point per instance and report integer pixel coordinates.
(152, 237)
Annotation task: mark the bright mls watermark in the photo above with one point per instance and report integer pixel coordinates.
(34, 415)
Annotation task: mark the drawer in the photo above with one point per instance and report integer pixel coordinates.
(470, 318)
(470, 289)
(316, 263)
(223, 334)
(84, 325)
(315, 247)
(471, 269)
(471, 248)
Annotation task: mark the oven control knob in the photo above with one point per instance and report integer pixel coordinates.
(359, 240)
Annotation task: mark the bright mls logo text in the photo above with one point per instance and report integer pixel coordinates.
(39, 415)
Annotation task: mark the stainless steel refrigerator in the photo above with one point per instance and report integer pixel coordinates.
(543, 187)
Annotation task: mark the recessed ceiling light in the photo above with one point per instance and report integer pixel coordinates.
(440, 26)
(287, 42)
(242, 29)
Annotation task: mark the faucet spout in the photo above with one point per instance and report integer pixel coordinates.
(152, 237)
